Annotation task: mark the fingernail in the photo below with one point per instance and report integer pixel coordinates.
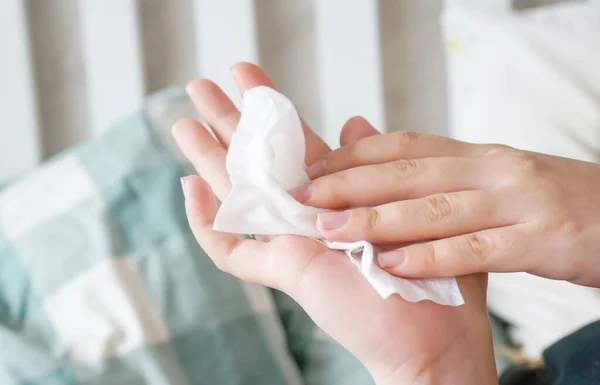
(302, 193)
(332, 220)
(317, 169)
(390, 259)
(183, 187)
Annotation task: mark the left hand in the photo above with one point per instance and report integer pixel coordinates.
(398, 342)
(461, 208)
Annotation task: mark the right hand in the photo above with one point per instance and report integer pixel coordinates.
(398, 341)
(461, 208)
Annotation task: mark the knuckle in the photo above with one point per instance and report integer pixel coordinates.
(370, 218)
(438, 207)
(495, 149)
(423, 257)
(404, 169)
(478, 246)
(520, 166)
(404, 140)
(526, 164)
(565, 228)
(562, 234)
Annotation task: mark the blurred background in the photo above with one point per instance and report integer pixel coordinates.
(73, 67)
(518, 72)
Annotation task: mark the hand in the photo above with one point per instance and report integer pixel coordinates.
(472, 208)
(397, 341)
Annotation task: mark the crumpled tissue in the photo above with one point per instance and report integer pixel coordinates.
(265, 160)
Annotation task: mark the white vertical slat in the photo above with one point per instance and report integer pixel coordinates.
(19, 143)
(111, 49)
(225, 35)
(491, 6)
(349, 64)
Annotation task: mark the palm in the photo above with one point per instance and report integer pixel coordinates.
(332, 290)
(324, 282)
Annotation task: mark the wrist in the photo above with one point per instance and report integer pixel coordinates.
(468, 361)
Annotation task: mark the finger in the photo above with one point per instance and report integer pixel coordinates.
(354, 129)
(502, 249)
(250, 260)
(437, 216)
(215, 108)
(222, 248)
(398, 145)
(247, 75)
(204, 152)
(401, 179)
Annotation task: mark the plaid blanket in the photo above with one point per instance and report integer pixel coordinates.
(101, 282)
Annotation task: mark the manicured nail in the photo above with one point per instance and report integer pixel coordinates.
(183, 187)
(302, 193)
(317, 169)
(391, 259)
(332, 220)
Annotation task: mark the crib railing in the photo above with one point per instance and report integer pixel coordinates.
(70, 68)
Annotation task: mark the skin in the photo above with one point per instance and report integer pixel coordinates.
(398, 342)
(457, 208)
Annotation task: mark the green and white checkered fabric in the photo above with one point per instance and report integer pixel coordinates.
(102, 282)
